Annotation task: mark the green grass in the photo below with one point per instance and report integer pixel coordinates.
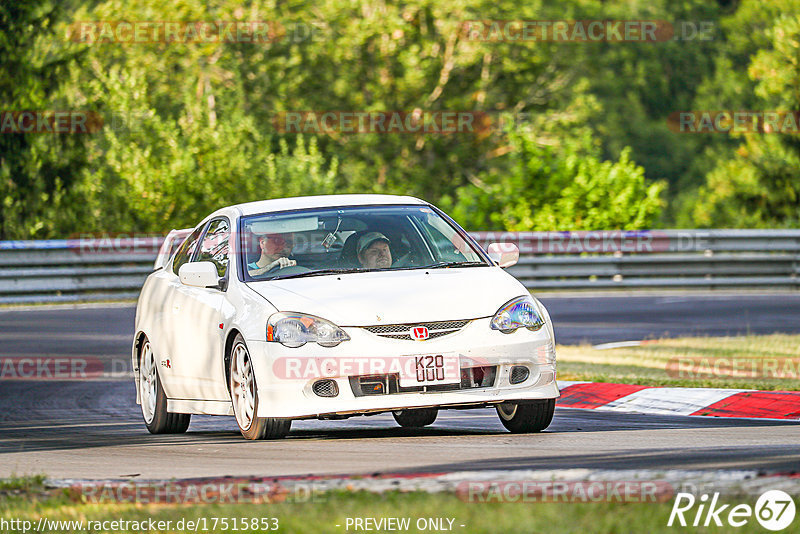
(328, 510)
(22, 483)
(764, 362)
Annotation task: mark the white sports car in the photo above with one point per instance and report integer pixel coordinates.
(333, 306)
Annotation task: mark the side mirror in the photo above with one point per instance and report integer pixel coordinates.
(503, 254)
(199, 274)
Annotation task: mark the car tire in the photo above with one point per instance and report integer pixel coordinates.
(415, 418)
(526, 416)
(154, 401)
(244, 396)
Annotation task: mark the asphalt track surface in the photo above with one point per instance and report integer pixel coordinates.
(93, 429)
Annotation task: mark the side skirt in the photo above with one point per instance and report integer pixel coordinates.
(200, 407)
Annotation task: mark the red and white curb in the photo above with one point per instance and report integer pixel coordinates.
(680, 401)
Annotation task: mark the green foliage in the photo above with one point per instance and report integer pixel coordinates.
(175, 152)
(567, 188)
(155, 168)
(36, 170)
(757, 184)
(189, 127)
(640, 84)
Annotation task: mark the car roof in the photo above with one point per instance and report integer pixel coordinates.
(323, 201)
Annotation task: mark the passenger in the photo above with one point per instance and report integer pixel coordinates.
(275, 249)
(373, 251)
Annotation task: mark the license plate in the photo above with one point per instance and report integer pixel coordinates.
(431, 369)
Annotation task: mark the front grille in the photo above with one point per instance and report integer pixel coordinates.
(389, 384)
(401, 331)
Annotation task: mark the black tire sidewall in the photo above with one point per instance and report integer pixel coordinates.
(415, 418)
(159, 422)
(530, 416)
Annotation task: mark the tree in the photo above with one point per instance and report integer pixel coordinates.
(157, 171)
(758, 184)
(36, 169)
(558, 187)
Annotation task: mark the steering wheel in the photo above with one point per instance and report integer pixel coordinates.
(406, 260)
(292, 269)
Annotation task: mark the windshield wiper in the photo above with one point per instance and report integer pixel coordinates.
(448, 264)
(320, 272)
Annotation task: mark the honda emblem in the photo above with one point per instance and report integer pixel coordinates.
(419, 333)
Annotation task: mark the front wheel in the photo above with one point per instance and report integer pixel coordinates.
(154, 401)
(526, 416)
(415, 418)
(244, 396)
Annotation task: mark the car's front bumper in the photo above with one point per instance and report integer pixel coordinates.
(290, 395)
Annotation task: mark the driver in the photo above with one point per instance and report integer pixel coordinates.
(373, 251)
(275, 249)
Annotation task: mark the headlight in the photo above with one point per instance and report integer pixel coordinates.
(297, 329)
(517, 313)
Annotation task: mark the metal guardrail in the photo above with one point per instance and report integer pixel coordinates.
(65, 270)
(115, 268)
(703, 259)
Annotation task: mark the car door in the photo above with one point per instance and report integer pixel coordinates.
(164, 328)
(196, 366)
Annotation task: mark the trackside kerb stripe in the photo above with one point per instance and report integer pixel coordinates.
(681, 401)
(594, 395)
(772, 404)
(669, 401)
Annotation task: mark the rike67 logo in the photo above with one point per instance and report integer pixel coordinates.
(774, 510)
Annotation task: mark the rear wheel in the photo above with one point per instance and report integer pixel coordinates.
(415, 418)
(527, 416)
(154, 401)
(244, 396)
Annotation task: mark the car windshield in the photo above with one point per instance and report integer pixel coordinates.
(352, 239)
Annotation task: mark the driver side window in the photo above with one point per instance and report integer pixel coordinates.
(186, 249)
(214, 247)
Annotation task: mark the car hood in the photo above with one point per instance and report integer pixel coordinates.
(391, 297)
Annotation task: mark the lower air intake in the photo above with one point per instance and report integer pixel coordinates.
(325, 388)
(519, 374)
(389, 384)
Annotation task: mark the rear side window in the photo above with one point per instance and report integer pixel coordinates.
(184, 253)
(214, 247)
